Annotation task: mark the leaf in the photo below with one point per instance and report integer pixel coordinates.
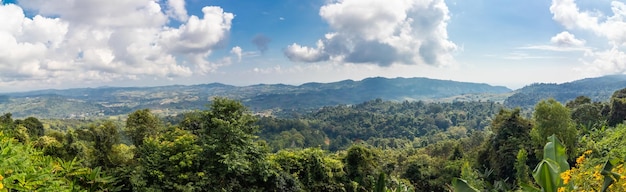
(529, 188)
(461, 185)
(380, 184)
(547, 176)
(609, 176)
(555, 151)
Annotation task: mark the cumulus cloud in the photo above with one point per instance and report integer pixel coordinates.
(93, 40)
(613, 28)
(177, 9)
(566, 39)
(262, 42)
(297, 52)
(381, 32)
(563, 41)
(237, 51)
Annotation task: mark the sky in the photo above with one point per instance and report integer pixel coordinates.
(59, 44)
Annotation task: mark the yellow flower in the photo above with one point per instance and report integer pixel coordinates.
(597, 175)
(561, 189)
(580, 159)
(1, 186)
(1, 177)
(566, 176)
(587, 152)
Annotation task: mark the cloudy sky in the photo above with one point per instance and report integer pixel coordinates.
(90, 43)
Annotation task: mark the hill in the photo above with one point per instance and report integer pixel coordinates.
(168, 100)
(598, 89)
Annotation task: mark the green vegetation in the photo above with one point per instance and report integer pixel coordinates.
(596, 89)
(376, 145)
(96, 103)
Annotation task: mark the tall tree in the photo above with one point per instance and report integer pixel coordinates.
(140, 124)
(104, 136)
(553, 118)
(34, 127)
(511, 133)
(617, 114)
(361, 166)
(170, 162)
(230, 153)
(586, 114)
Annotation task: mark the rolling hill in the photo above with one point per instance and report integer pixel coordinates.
(168, 100)
(598, 89)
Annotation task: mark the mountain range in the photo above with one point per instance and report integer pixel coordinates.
(598, 89)
(173, 99)
(276, 99)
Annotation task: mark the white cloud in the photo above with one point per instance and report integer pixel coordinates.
(93, 40)
(177, 10)
(567, 13)
(237, 51)
(605, 62)
(563, 41)
(613, 28)
(300, 53)
(566, 39)
(381, 32)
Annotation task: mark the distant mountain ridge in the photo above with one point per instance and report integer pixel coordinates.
(598, 89)
(106, 101)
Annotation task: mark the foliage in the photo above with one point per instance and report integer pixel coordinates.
(552, 118)
(597, 89)
(140, 124)
(548, 172)
(376, 145)
(170, 162)
(511, 134)
(462, 185)
(24, 168)
(380, 123)
(618, 107)
(95, 103)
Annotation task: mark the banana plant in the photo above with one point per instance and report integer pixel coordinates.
(547, 174)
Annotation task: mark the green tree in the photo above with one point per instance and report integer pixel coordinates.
(313, 168)
(6, 119)
(588, 115)
(553, 118)
(361, 166)
(34, 127)
(511, 133)
(577, 102)
(104, 136)
(232, 157)
(618, 107)
(140, 124)
(170, 162)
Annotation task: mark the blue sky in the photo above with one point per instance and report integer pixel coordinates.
(90, 43)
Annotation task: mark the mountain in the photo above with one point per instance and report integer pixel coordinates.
(598, 89)
(351, 92)
(168, 100)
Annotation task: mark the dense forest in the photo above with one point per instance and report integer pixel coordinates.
(372, 146)
(93, 103)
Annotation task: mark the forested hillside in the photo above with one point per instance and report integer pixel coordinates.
(276, 99)
(372, 146)
(377, 122)
(598, 89)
